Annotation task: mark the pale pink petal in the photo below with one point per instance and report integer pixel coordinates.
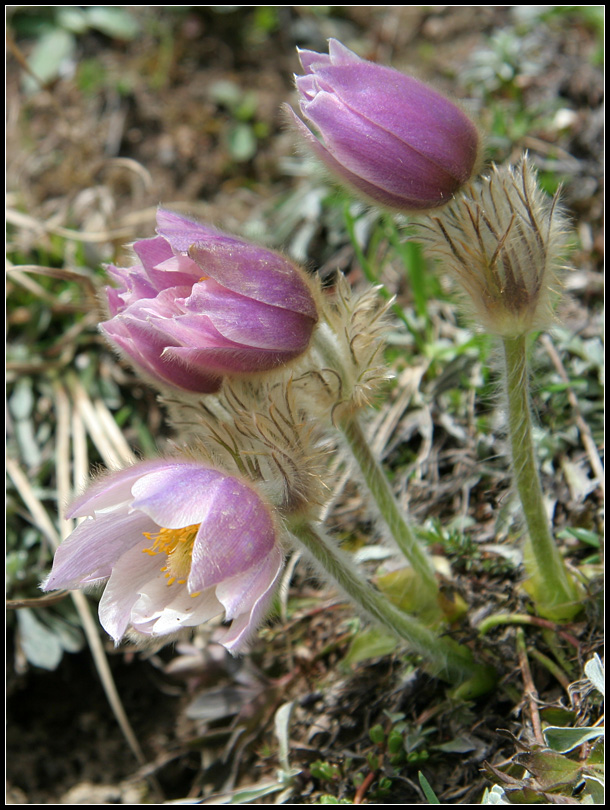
(130, 576)
(113, 488)
(177, 497)
(164, 609)
(93, 548)
(241, 593)
(244, 625)
(146, 346)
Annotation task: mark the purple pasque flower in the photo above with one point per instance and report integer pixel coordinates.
(392, 138)
(178, 543)
(200, 305)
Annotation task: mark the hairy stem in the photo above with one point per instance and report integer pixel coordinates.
(556, 594)
(391, 513)
(450, 661)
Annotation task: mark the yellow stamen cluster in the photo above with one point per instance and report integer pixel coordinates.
(177, 544)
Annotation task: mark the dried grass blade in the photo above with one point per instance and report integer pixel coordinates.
(584, 429)
(90, 627)
(96, 428)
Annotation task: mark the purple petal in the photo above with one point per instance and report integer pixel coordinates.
(179, 271)
(133, 285)
(147, 348)
(374, 192)
(390, 136)
(243, 320)
(181, 232)
(310, 60)
(338, 54)
(376, 155)
(411, 111)
(257, 273)
(237, 534)
(196, 331)
(152, 252)
(240, 593)
(115, 301)
(239, 360)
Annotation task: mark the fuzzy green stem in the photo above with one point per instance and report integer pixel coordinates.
(345, 417)
(386, 503)
(556, 593)
(450, 661)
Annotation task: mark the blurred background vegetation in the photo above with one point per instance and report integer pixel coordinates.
(112, 110)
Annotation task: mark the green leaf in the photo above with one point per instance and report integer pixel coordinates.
(70, 637)
(114, 21)
(594, 670)
(41, 647)
(584, 535)
(428, 792)
(406, 589)
(72, 19)
(282, 732)
(396, 742)
(557, 716)
(459, 745)
(550, 768)
(226, 93)
(563, 740)
(326, 771)
(21, 401)
(50, 53)
(242, 142)
(371, 643)
(595, 789)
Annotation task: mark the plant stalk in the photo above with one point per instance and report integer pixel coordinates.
(345, 418)
(556, 594)
(449, 660)
(391, 513)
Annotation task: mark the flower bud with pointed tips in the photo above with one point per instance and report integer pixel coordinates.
(390, 137)
(201, 305)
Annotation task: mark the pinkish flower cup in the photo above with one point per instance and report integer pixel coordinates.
(178, 543)
(201, 305)
(390, 137)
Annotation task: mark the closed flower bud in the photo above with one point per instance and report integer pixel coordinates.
(390, 137)
(200, 305)
(178, 543)
(502, 242)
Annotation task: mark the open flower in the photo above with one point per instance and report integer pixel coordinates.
(200, 305)
(387, 135)
(179, 544)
